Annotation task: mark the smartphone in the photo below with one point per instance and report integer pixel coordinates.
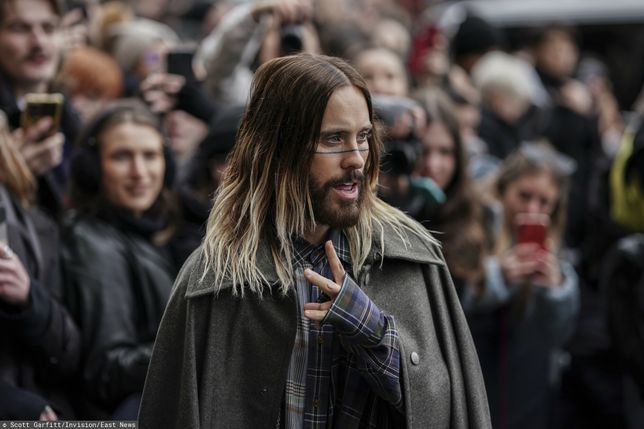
(39, 106)
(179, 62)
(532, 228)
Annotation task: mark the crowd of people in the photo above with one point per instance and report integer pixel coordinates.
(520, 164)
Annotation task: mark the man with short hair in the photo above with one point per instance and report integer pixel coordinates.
(312, 303)
(30, 44)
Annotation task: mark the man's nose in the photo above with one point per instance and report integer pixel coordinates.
(354, 159)
(39, 36)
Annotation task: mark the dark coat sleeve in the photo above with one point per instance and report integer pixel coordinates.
(47, 330)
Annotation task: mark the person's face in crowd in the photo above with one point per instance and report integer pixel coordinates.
(336, 178)
(508, 106)
(558, 55)
(438, 161)
(383, 71)
(469, 118)
(132, 166)
(531, 193)
(29, 41)
(185, 132)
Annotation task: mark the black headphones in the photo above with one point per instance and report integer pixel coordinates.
(85, 163)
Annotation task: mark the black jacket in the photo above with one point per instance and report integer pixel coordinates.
(118, 284)
(39, 345)
(52, 185)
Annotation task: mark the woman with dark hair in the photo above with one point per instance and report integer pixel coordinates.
(116, 254)
(520, 297)
(460, 220)
(39, 342)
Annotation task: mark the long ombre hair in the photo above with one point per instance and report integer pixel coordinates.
(265, 196)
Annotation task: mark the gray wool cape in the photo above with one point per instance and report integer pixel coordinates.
(220, 361)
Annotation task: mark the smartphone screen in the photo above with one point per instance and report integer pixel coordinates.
(179, 62)
(532, 228)
(38, 106)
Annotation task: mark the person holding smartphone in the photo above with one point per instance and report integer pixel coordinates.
(39, 341)
(530, 297)
(30, 42)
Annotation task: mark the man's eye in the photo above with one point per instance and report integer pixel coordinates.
(49, 28)
(364, 136)
(334, 139)
(18, 28)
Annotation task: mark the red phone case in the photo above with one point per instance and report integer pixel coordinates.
(532, 233)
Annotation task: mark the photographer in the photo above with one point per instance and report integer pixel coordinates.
(403, 120)
(249, 35)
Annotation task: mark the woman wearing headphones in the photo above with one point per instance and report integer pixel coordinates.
(116, 257)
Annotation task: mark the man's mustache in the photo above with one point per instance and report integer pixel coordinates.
(352, 176)
(35, 54)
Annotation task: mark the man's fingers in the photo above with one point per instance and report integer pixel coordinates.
(35, 132)
(334, 262)
(327, 285)
(318, 306)
(316, 315)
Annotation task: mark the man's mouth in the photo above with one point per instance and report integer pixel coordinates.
(37, 59)
(348, 190)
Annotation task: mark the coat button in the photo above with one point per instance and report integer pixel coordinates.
(415, 359)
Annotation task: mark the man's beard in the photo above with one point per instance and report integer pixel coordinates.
(347, 213)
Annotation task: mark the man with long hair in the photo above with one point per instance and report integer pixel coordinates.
(312, 303)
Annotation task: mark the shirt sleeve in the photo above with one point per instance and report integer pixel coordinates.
(371, 335)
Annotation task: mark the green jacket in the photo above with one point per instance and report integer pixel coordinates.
(221, 361)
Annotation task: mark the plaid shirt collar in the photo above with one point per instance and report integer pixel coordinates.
(312, 254)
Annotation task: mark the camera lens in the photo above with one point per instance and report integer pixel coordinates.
(291, 39)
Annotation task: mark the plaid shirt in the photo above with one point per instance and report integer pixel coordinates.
(354, 351)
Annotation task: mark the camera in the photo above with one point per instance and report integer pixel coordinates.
(291, 39)
(400, 153)
(415, 196)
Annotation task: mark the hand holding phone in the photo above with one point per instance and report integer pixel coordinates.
(38, 139)
(180, 62)
(39, 106)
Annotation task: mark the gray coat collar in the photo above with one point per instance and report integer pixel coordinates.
(413, 249)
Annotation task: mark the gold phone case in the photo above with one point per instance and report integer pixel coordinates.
(38, 106)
